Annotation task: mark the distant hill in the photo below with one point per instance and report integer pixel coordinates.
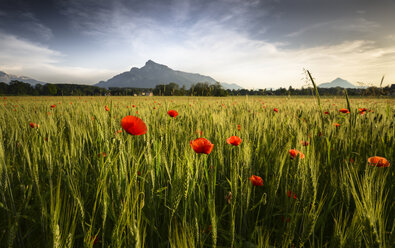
(338, 82)
(7, 78)
(152, 74)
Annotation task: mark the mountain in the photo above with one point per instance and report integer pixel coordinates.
(7, 78)
(152, 74)
(338, 82)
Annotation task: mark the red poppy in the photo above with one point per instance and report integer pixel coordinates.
(238, 127)
(304, 143)
(102, 154)
(106, 108)
(294, 153)
(118, 131)
(285, 220)
(256, 180)
(33, 125)
(172, 113)
(133, 106)
(362, 109)
(133, 125)
(290, 193)
(95, 239)
(53, 106)
(345, 111)
(336, 124)
(378, 161)
(201, 145)
(326, 112)
(275, 110)
(234, 140)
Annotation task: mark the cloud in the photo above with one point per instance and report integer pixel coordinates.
(25, 24)
(22, 57)
(254, 43)
(233, 57)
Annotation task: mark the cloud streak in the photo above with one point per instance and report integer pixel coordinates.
(21, 57)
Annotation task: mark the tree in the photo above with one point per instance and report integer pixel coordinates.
(50, 89)
(20, 88)
(3, 88)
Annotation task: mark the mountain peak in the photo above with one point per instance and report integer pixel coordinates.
(152, 74)
(150, 62)
(7, 78)
(338, 82)
(151, 65)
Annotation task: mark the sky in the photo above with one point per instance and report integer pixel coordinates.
(253, 43)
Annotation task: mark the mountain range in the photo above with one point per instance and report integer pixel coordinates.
(339, 82)
(7, 78)
(152, 74)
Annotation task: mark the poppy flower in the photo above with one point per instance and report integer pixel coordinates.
(33, 125)
(285, 220)
(304, 143)
(238, 127)
(294, 153)
(256, 180)
(201, 145)
(172, 113)
(95, 239)
(326, 112)
(106, 108)
(275, 110)
(234, 140)
(336, 124)
(118, 131)
(53, 106)
(345, 111)
(102, 154)
(362, 109)
(290, 193)
(133, 106)
(378, 161)
(133, 125)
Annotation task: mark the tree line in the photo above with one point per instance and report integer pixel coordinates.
(172, 89)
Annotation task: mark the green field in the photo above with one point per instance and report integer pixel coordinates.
(74, 180)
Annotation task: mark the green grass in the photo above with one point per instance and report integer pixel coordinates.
(58, 190)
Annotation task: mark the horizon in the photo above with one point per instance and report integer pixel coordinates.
(254, 44)
(309, 84)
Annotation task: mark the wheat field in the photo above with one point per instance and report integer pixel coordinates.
(70, 176)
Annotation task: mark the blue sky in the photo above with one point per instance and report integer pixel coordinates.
(256, 44)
